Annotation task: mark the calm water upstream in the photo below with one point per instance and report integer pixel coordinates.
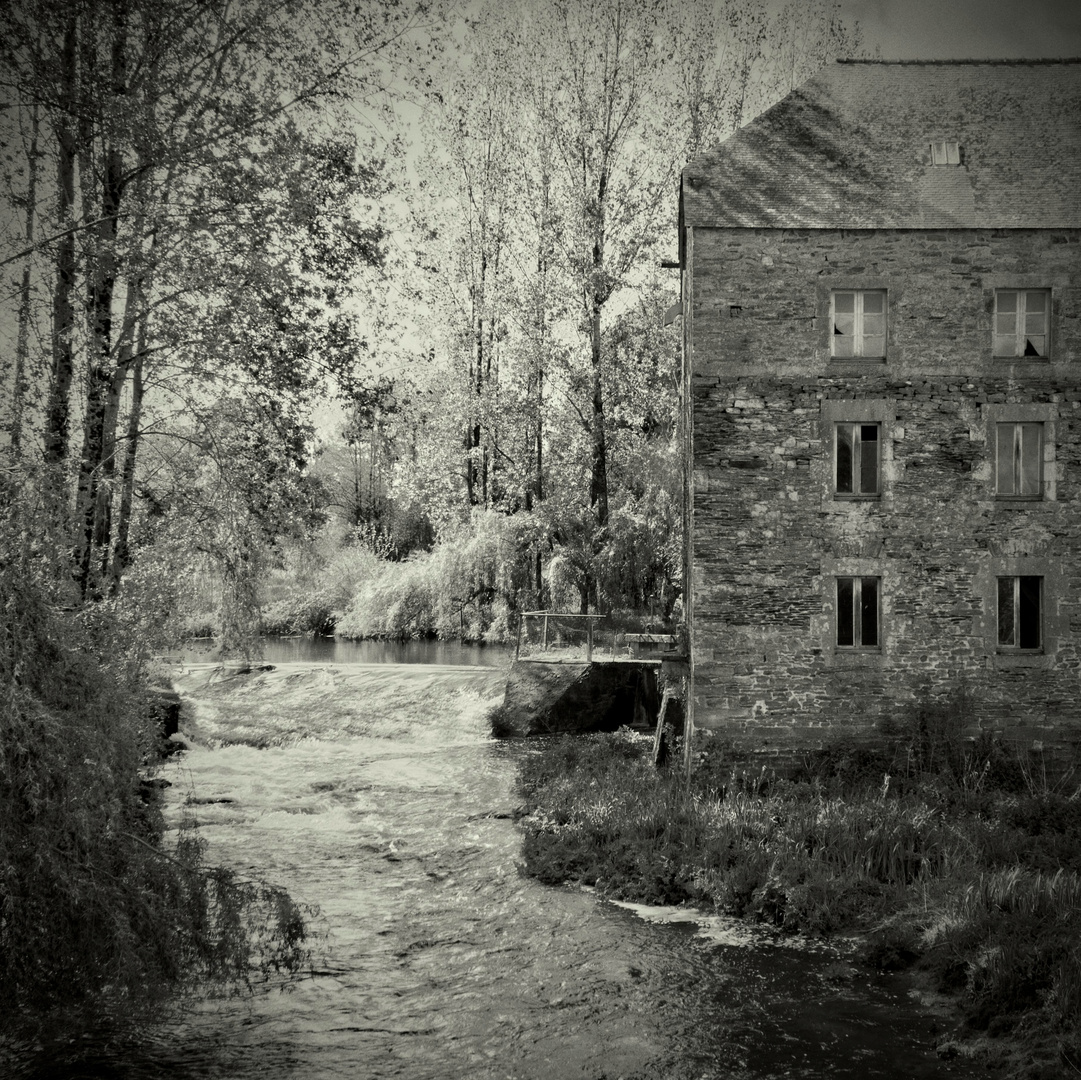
(373, 791)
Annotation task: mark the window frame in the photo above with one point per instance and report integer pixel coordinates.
(1017, 464)
(859, 613)
(1019, 334)
(948, 149)
(1043, 413)
(857, 471)
(858, 335)
(1016, 601)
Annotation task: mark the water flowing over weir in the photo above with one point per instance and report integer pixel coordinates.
(374, 792)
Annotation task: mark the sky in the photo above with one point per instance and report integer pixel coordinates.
(964, 29)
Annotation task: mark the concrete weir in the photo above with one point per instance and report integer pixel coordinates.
(552, 697)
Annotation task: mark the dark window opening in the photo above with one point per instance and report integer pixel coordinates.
(857, 612)
(1019, 612)
(857, 459)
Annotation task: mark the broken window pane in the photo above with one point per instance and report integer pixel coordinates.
(844, 323)
(859, 324)
(1020, 327)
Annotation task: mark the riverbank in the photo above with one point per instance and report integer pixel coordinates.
(969, 879)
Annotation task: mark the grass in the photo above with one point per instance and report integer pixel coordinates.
(958, 860)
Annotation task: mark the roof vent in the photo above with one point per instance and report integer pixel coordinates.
(945, 153)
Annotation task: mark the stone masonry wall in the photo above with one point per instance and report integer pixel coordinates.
(769, 536)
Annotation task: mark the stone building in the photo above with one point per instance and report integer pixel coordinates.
(882, 372)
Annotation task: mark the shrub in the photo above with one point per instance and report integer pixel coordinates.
(90, 896)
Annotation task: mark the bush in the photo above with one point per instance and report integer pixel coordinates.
(90, 896)
(463, 588)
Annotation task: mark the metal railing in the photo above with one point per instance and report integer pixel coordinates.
(552, 631)
(572, 636)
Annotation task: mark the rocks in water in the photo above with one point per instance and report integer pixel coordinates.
(151, 789)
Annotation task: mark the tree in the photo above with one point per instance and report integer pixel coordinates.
(203, 207)
(555, 150)
(468, 169)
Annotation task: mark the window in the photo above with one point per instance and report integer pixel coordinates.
(859, 323)
(1021, 318)
(1019, 460)
(1019, 612)
(857, 612)
(945, 153)
(856, 458)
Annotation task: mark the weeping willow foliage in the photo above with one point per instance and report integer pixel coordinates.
(92, 896)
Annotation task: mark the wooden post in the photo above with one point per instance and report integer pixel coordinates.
(518, 641)
(658, 735)
(545, 635)
(688, 723)
(589, 640)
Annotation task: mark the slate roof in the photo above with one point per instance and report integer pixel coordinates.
(850, 148)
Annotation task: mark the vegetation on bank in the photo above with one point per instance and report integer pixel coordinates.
(471, 587)
(959, 859)
(99, 907)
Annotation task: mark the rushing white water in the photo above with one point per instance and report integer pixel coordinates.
(374, 792)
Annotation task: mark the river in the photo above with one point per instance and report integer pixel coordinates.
(374, 792)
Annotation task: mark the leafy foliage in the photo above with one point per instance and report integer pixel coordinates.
(92, 897)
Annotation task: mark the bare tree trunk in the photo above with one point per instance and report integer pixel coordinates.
(121, 550)
(598, 486)
(106, 487)
(94, 497)
(58, 409)
(22, 342)
(598, 288)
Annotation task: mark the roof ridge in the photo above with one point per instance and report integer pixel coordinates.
(970, 60)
